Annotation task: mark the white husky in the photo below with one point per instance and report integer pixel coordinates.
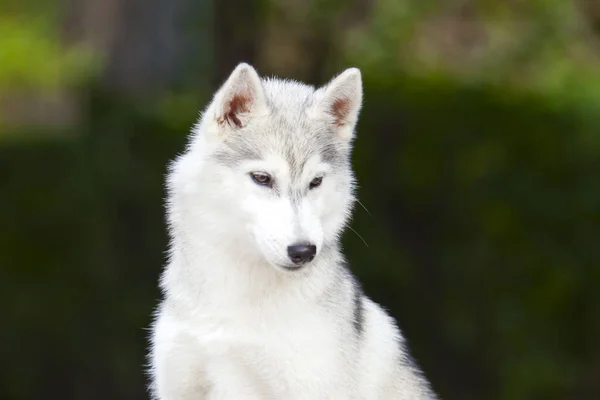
(259, 303)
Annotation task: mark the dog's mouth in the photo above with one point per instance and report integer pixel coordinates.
(292, 267)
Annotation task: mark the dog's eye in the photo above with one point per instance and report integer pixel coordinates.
(315, 182)
(262, 179)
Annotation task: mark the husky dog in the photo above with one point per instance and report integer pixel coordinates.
(258, 301)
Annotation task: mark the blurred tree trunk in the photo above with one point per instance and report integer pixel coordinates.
(142, 42)
(147, 52)
(591, 10)
(306, 40)
(236, 35)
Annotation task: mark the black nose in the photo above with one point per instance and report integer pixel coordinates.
(302, 253)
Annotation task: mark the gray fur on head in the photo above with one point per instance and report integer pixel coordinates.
(257, 115)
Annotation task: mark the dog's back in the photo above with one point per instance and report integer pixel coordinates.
(259, 303)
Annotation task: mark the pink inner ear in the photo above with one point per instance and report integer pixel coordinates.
(238, 104)
(340, 110)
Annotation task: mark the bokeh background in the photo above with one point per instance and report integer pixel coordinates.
(478, 157)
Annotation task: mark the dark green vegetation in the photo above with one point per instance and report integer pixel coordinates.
(483, 198)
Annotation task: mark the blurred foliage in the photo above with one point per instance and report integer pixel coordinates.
(540, 44)
(478, 158)
(491, 192)
(31, 55)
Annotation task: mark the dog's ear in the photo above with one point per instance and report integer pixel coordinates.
(342, 100)
(240, 98)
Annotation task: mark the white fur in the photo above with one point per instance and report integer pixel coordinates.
(235, 323)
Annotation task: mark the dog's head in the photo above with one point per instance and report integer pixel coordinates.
(269, 166)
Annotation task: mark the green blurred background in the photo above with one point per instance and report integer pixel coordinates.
(478, 157)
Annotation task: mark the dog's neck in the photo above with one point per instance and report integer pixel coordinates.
(211, 271)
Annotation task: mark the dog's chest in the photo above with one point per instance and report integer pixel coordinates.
(287, 352)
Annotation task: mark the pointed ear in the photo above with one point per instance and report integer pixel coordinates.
(240, 98)
(342, 100)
